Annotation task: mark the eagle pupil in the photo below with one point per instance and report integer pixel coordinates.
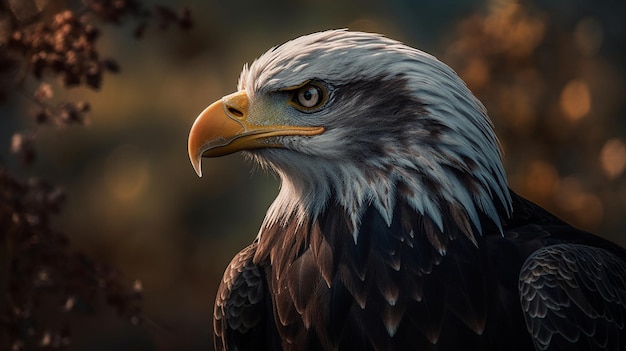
(309, 96)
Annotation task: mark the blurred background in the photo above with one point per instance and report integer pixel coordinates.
(551, 73)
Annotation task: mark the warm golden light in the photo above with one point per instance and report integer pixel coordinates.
(541, 180)
(572, 197)
(126, 173)
(613, 158)
(575, 99)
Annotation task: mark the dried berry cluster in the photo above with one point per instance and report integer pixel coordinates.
(44, 282)
(66, 47)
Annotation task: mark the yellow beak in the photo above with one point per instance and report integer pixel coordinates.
(223, 128)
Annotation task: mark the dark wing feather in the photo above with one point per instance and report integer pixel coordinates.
(241, 320)
(574, 294)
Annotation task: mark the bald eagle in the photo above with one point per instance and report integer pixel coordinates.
(394, 227)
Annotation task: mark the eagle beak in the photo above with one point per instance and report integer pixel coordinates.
(224, 128)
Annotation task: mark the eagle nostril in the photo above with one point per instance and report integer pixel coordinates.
(235, 112)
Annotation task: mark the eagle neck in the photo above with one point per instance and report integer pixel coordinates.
(306, 204)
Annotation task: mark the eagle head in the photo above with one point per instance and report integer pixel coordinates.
(360, 120)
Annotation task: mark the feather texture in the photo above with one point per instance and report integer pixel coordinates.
(574, 293)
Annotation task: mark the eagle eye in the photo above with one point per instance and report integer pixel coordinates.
(309, 97)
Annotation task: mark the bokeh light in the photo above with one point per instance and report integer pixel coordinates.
(575, 101)
(613, 158)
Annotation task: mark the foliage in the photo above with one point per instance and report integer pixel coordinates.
(45, 282)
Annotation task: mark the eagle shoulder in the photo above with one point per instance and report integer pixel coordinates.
(574, 294)
(241, 317)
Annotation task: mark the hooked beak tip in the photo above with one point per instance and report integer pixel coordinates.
(197, 165)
